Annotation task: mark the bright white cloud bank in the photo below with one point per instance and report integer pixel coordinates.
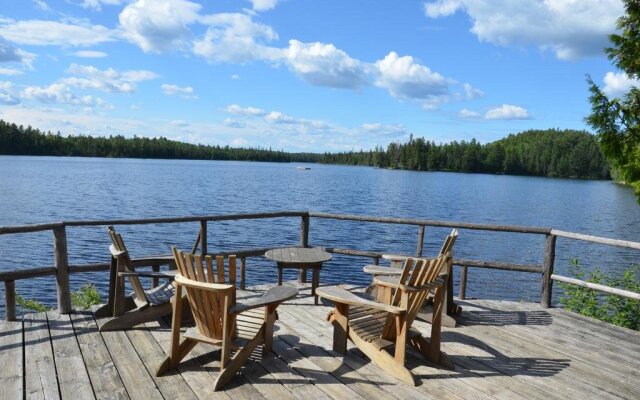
(617, 84)
(569, 28)
(53, 33)
(507, 111)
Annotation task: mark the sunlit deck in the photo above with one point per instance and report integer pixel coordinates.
(501, 349)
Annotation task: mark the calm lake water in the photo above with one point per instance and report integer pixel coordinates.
(48, 189)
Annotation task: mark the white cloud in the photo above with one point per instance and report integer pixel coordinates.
(233, 123)
(158, 25)
(404, 78)
(7, 95)
(507, 112)
(43, 6)
(276, 117)
(10, 53)
(89, 54)
(96, 5)
(53, 33)
(239, 142)
(246, 111)
(618, 84)
(263, 5)
(324, 65)
(109, 80)
(569, 28)
(60, 93)
(10, 72)
(472, 93)
(394, 130)
(233, 37)
(464, 113)
(235, 77)
(186, 92)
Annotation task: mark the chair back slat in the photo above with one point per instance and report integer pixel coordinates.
(207, 306)
(125, 261)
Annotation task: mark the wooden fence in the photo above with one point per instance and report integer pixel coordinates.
(61, 268)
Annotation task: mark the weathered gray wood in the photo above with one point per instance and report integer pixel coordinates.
(203, 237)
(40, 379)
(549, 261)
(601, 288)
(536, 269)
(72, 376)
(136, 379)
(28, 228)
(304, 231)
(420, 241)
(11, 352)
(462, 292)
(104, 377)
(62, 269)
(426, 222)
(27, 273)
(10, 300)
(597, 239)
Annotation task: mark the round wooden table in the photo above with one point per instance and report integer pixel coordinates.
(301, 258)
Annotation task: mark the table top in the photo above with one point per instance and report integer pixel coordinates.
(298, 255)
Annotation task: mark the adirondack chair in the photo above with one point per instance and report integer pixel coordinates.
(374, 326)
(143, 305)
(220, 321)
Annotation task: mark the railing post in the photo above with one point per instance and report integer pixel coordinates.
(203, 237)
(62, 269)
(420, 241)
(304, 242)
(549, 261)
(462, 290)
(10, 300)
(304, 231)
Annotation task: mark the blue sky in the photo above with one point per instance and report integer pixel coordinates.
(304, 75)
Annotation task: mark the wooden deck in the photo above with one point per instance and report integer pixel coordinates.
(503, 350)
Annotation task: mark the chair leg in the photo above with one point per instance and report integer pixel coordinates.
(238, 359)
(269, 321)
(170, 362)
(424, 347)
(340, 328)
(384, 360)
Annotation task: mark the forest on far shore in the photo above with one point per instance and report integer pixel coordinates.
(550, 153)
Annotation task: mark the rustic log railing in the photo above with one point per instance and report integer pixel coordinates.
(61, 269)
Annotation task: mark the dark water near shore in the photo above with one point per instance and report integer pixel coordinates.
(47, 189)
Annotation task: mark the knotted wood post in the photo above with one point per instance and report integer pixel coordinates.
(549, 261)
(203, 237)
(420, 241)
(304, 242)
(462, 290)
(62, 269)
(10, 300)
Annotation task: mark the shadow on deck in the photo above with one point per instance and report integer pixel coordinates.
(501, 350)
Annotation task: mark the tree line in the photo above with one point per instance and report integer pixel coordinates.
(550, 153)
(553, 153)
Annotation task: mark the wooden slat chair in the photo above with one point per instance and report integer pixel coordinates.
(236, 327)
(379, 292)
(143, 305)
(374, 327)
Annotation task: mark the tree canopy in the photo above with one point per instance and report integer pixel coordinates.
(616, 120)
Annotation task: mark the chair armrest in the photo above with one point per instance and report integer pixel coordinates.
(144, 274)
(380, 270)
(274, 295)
(212, 287)
(339, 295)
(392, 282)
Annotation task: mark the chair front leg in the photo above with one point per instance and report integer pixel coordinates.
(401, 338)
(340, 328)
(269, 321)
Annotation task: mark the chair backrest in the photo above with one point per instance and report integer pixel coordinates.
(209, 307)
(418, 272)
(121, 255)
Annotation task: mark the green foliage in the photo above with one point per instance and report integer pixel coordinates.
(30, 304)
(86, 297)
(551, 152)
(554, 153)
(617, 120)
(611, 308)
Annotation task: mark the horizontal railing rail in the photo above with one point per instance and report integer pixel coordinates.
(61, 268)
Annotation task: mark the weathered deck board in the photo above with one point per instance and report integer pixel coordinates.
(502, 350)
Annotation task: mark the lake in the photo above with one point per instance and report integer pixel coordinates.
(48, 189)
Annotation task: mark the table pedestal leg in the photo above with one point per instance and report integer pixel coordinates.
(315, 281)
(279, 276)
(302, 275)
